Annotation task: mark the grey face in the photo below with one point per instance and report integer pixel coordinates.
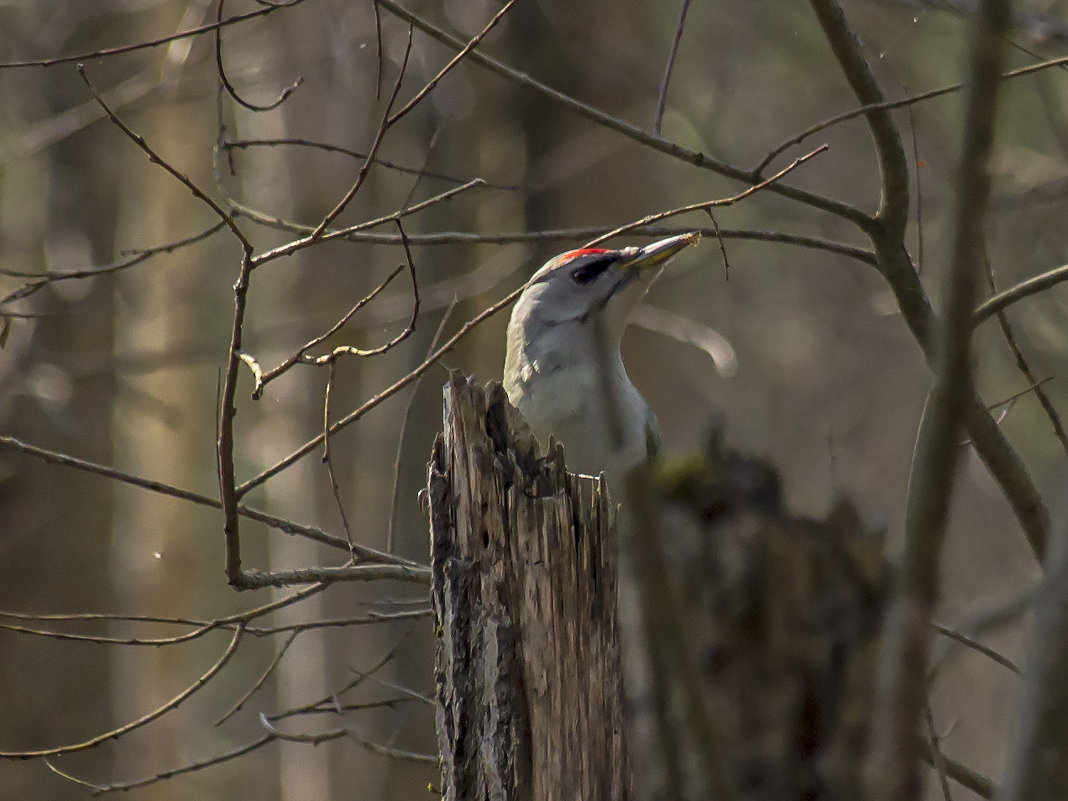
(594, 283)
(576, 285)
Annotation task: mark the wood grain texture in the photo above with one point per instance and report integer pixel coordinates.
(524, 589)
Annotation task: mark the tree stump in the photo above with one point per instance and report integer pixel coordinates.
(530, 701)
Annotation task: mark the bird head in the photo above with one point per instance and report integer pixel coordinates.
(593, 286)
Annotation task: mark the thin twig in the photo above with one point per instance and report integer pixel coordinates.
(372, 151)
(148, 43)
(290, 248)
(978, 647)
(1021, 362)
(224, 80)
(192, 767)
(155, 158)
(937, 757)
(467, 49)
(722, 246)
(889, 105)
(313, 533)
(960, 773)
(409, 329)
(334, 487)
(133, 259)
(1032, 286)
(255, 579)
(380, 59)
(256, 685)
(565, 234)
(409, 408)
(126, 728)
(661, 100)
(421, 172)
(299, 356)
(385, 394)
(709, 204)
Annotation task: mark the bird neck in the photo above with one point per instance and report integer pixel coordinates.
(573, 348)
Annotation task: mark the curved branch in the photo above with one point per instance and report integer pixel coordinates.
(893, 167)
(231, 649)
(224, 79)
(1024, 289)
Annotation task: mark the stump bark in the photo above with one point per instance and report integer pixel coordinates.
(530, 701)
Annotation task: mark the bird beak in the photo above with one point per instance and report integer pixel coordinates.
(646, 259)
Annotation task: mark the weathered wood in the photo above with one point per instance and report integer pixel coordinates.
(530, 702)
(748, 634)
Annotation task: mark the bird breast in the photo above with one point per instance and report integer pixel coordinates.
(571, 402)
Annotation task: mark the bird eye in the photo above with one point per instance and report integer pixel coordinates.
(590, 271)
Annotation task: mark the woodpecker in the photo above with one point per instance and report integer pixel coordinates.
(563, 369)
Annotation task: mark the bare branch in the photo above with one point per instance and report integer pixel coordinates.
(662, 98)
(889, 105)
(220, 70)
(290, 248)
(256, 685)
(287, 526)
(228, 496)
(467, 49)
(134, 258)
(265, 378)
(709, 204)
(1021, 362)
(887, 233)
(192, 767)
(938, 758)
(155, 158)
(894, 206)
(978, 647)
(244, 144)
(141, 721)
(976, 782)
(1032, 286)
(254, 579)
(360, 234)
(630, 131)
(149, 43)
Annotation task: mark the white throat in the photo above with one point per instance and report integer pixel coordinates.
(569, 382)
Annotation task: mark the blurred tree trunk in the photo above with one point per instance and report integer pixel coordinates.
(159, 564)
(57, 386)
(748, 645)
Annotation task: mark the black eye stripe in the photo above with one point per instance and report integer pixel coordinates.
(590, 271)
